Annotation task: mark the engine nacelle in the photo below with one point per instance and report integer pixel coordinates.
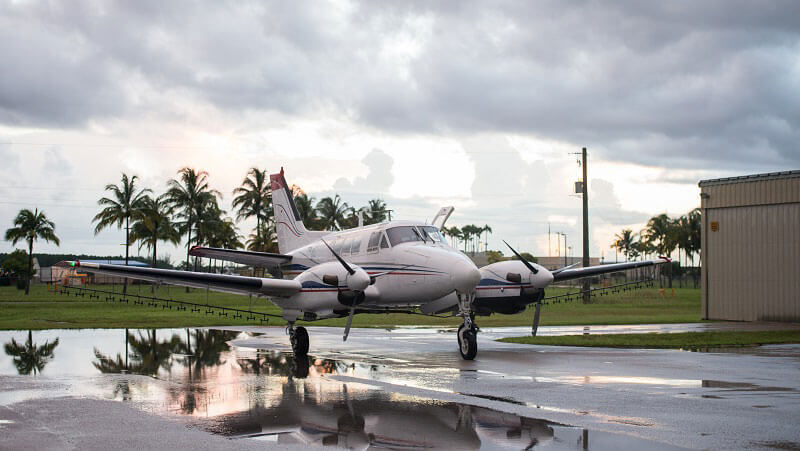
(509, 286)
(325, 290)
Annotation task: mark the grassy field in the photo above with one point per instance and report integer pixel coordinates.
(43, 309)
(686, 340)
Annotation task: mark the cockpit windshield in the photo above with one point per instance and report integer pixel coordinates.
(432, 233)
(402, 234)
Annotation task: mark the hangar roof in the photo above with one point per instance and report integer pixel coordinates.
(750, 178)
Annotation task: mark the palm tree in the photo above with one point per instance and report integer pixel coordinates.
(660, 233)
(190, 194)
(148, 354)
(30, 226)
(694, 224)
(126, 205)
(454, 233)
(265, 241)
(305, 206)
(208, 223)
(30, 358)
(376, 212)
(681, 234)
(214, 230)
(154, 224)
(351, 218)
(253, 197)
(486, 229)
(624, 242)
(468, 232)
(332, 212)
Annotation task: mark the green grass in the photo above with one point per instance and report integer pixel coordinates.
(686, 340)
(46, 310)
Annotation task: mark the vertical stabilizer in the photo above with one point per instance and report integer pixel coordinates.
(291, 232)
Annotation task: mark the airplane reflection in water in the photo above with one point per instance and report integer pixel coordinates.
(269, 395)
(252, 394)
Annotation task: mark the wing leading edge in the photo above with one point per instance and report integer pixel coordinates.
(577, 273)
(263, 259)
(217, 282)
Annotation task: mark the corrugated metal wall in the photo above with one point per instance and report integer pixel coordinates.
(751, 264)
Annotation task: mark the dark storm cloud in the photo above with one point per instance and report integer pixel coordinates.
(688, 84)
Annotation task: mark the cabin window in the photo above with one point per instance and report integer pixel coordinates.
(346, 246)
(432, 233)
(374, 241)
(402, 234)
(355, 247)
(384, 242)
(336, 245)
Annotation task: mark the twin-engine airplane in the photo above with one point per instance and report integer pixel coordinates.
(395, 266)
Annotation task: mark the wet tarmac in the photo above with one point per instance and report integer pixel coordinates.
(400, 388)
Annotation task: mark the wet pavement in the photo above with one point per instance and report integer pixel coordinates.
(399, 388)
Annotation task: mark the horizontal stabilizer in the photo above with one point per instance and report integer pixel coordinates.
(216, 282)
(252, 258)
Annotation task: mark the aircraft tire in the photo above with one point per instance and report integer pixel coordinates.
(467, 343)
(300, 366)
(300, 342)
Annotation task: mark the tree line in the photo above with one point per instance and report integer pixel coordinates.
(468, 235)
(190, 208)
(662, 235)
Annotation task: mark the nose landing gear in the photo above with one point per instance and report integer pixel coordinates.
(468, 331)
(298, 337)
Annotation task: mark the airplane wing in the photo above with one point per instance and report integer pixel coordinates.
(217, 282)
(577, 273)
(264, 259)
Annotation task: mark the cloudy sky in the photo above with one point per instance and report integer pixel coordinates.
(479, 105)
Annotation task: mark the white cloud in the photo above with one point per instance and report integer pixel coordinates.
(469, 104)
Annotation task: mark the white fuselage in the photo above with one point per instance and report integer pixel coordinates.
(412, 272)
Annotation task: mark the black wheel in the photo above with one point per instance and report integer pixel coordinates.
(300, 365)
(467, 342)
(300, 342)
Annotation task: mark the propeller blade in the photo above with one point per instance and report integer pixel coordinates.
(554, 272)
(524, 262)
(349, 322)
(347, 267)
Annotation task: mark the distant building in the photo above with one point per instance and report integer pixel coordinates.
(750, 241)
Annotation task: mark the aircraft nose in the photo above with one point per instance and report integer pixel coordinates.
(465, 276)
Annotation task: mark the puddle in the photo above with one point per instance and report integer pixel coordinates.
(266, 395)
(742, 386)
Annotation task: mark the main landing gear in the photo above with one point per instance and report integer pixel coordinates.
(298, 336)
(468, 331)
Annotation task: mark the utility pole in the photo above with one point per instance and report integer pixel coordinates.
(586, 286)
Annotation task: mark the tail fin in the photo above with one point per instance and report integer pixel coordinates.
(291, 232)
